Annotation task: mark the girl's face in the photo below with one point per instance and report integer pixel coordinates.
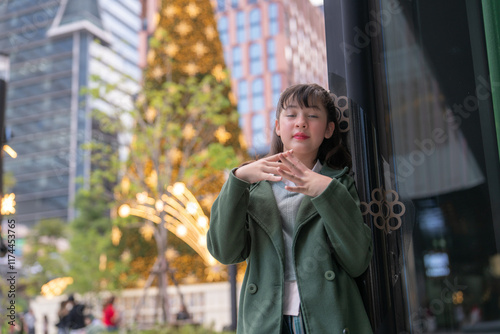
(303, 130)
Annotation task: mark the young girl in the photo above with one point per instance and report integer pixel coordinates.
(294, 217)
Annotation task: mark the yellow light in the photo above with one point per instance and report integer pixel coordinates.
(202, 221)
(124, 210)
(103, 259)
(10, 151)
(191, 208)
(147, 232)
(56, 286)
(179, 189)
(116, 235)
(159, 205)
(181, 231)
(202, 241)
(142, 197)
(8, 204)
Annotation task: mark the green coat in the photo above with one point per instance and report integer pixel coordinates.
(331, 246)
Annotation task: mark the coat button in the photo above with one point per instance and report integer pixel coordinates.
(252, 288)
(346, 331)
(330, 275)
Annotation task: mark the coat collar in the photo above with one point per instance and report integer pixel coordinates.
(264, 210)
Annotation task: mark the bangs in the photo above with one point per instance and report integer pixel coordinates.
(306, 96)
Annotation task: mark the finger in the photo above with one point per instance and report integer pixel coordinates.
(294, 160)
(290, 176)
(272, 177)
(296, 189)
(289, 163)
(273, 158)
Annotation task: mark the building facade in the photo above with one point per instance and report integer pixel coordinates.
(268, 46)
(55, 48)
(422, 87)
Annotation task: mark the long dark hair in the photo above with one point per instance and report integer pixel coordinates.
(332, 151)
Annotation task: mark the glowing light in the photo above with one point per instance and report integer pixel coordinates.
(116, 235)
(222, 135)
(9, 204)
(202, 221)
(192, 10)
(124, 210)
(191, 208)
(202, 240)
(147, 232)
(10, 151)
(159, 205)
(179, 189)
(56, 286)
(181, 231)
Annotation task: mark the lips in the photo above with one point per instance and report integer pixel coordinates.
(300, 136)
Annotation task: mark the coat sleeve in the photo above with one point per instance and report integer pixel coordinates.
(228, 239)
(350, 237)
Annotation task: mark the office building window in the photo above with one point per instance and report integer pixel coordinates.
(221, 5)
(273, 19)
(258, 131)
(242, 97)
(255, 24)
(258, 94)
(276, 87)
(240, 27)
(271, 55)
(237, 62)
(255, 59)
(223, 30)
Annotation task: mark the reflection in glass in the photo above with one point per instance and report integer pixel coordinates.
(435, 160)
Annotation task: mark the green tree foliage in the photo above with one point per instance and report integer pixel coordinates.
(42, 258)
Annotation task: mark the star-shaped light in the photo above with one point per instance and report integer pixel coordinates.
(222, 135)
(210, 32)
(192, 10)
(200, 49)
(170, 11)
(189, 132)
(147, 232)
(9, 204)
(191, 69)
(183, 28)
(171, 49)
(218, 73)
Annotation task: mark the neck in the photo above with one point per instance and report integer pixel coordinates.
(309, 162)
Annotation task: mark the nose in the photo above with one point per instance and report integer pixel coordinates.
(300, 121)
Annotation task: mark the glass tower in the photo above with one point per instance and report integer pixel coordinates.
(55, 48)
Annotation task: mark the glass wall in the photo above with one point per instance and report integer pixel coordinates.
(438, 163)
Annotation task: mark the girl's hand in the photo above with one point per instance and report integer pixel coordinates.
(263, 169)
(307, 182)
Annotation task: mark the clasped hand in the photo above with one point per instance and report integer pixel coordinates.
(285, 165)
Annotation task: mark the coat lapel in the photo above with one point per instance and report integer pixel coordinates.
(264, 210)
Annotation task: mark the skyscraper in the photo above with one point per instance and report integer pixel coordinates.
(55, 48)
(269, 45)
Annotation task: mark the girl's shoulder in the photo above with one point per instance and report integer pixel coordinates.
(334, 172)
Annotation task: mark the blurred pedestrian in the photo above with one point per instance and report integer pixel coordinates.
(110, 316)
(63, 324)
(29, 320)
(76, 317)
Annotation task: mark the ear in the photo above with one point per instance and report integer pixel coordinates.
(330, 128)
(277, 127)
